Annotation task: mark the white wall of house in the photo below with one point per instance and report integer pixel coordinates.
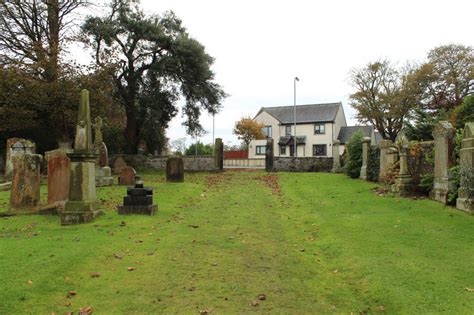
(253, 149)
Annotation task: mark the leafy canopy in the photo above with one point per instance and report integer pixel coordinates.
(247, 129)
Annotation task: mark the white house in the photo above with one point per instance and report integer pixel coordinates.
(317, 127)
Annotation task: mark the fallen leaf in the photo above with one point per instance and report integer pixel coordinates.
(382, 308)
(204, 312)
(262, 297)
(335, 271)
(29, 282)
(85, 310)
(131, 268)
(117, 256)
(193, 226)
(254, 303)
(71, 294)
(123, 223)
(470, 289)
(95, 274)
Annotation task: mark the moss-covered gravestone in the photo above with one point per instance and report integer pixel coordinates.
(443, 134)
(175, 169)
(82, 205)
(25, 190)
(465, 200)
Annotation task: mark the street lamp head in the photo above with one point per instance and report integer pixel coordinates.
(297, 79)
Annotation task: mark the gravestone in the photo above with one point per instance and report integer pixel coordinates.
(365, 157)
(443, 134)
(269, 155)
(219, 154)
(175, 169)
(403, 182)
(17, 146)
(98, 134)
(139, 200)
(118, 165)
(336, 162)
(385, 160)
(465, 199)
(103, 173)
(82, 205)
(26, 181)
(103, 155)
(127, 176)
(59, 166)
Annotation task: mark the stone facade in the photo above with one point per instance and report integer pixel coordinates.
(26, 181)
(302, 164)
(175, 170)
(443, 134)
(59, 166)
(269, 155)
(465, 200)
(365, 157)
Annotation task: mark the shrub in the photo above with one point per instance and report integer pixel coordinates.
(464, 112)
(373, 164)
(455, 170)
(354, 155)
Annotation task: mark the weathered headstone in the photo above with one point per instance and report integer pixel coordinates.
(269, 155)
(82, 205)
(98, 134)
(465, 199)
(443, 134)
(26, 181)
(336, 162)
(59, 168)
(127, 176)
(103, 155)
(17, 146)
(403, 182)
(365, 157)
(119, 164)
(174, 169)
(219, 154)
(139, 200)
(385, 161)
(103, 173)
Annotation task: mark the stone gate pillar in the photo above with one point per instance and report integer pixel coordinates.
(465, 200)
(443, 134)
(336, 162)
(384, 146)
(219, 154)
(365, 157)
(269, 155)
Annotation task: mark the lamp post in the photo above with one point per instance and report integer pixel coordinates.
(294, 115)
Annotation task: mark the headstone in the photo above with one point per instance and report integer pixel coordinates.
(26, 182)
(127, 176)
(82, 205)
(98, 134)
(103, 155)
(465, 199)
(385, 161)
(59, 166)
(17, 146)
(103, 173)
(139, 200)
(269, 155)
(365, 157)
(118, 165)
(443, 134)
(336, 162)
(403, 182)
(219, 154)
(175, 169)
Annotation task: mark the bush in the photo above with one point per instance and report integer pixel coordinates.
(114, 139)
(353, 163)
(373, 164)
(464, 112)
(202, 149)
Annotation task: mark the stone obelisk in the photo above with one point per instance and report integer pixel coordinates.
(82, 204)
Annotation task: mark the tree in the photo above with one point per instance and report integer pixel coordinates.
(353, 162)
(155, 63)
(383, 97)
(421, 127)
(179, 146)
(464, 112)
(202, 149)
(247, 129)
(445, 79)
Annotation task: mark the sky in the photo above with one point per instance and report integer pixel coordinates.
(259, 47)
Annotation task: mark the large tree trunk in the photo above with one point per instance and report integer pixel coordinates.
(131, 131)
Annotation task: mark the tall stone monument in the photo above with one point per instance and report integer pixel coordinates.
(443, 134)
(269, 155)
(219, 154)
(465, 199)
(336, 154)
(403, 182)
(384, 146)
(82, 204)
(365, 157)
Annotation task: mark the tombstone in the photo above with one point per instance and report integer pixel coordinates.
(127, 176)
(175, 169)
(219, 154)
(269, 155)
(403, 182)
(365, 157)
(336, 162)
(385, 161)
(26, 181)
(59, 166)
(103, 155)
(82, 205)
(139, 200)
(103, 173)
(17, 146)
(443, 134)
(465, 199)
(118, 165)
(98, 134)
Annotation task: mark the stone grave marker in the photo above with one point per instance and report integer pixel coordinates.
(118, 165)
(336, 162)
(17, 146)
(59, 168)
(127, 176)
(385, 162)
(26, 181)
(175, 169)
(219, 154)
(269, 155)
(139, 200)
(365, 157)
(465, 199)
(443, 134)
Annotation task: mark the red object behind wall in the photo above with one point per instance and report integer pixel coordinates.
(242, 154)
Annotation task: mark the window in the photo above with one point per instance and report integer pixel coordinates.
(319, 150)
(267, 130)
(260, 150)
(282, 150)
(319, 129)
(288, 131)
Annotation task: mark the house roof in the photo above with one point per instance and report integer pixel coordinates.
(346, 133)
(304, 113)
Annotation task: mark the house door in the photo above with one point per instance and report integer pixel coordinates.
(292, 150)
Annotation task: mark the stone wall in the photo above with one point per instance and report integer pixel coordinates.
(191, 163)
(302, 164)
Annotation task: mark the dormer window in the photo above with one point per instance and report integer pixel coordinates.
(319, 129)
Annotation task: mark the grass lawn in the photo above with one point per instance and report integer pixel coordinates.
(311, 242)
